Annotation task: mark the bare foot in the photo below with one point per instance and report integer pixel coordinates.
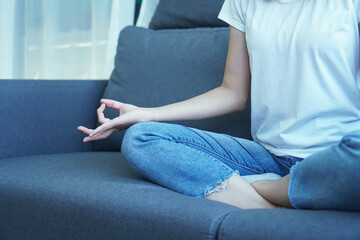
(275, 191)
(241, 194)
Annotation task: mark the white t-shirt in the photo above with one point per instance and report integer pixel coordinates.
(304, 61)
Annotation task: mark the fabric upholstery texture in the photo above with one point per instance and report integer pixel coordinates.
(154, 68)
(187, 14)
(40, 116)
(96, 196)
(292, 224)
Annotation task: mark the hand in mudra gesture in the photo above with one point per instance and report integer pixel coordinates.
(128, 115)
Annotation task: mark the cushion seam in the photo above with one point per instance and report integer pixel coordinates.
(219, 233)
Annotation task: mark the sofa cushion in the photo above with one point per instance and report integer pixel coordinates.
(96, 196)
(290, 224)
(154, 68)
(187, 14)
(41, 116)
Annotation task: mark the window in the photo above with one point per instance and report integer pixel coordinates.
(61, 39)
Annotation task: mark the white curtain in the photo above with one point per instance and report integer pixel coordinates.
(60, 39)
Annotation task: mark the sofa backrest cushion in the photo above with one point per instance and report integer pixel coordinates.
(154, 68)
(187, 14)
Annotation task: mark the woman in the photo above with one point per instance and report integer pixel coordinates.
(300, 58)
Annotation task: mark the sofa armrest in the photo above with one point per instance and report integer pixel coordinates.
(41, 116)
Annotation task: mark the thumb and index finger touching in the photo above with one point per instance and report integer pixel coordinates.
(101, 118)
(111, 103)
(107, 103)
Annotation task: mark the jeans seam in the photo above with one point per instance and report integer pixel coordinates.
(242, 146)
(289, 163)
(227, 168)
(185, 141)
(204, 132)
(284, 169)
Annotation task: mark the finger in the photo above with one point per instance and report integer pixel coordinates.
(87, 139)
(85, 130)
(99, 136)
(98, 130)
(106, 126)
(103, 128)
(112, 104)
(100, 113)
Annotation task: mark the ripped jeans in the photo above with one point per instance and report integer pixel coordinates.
(194, 162)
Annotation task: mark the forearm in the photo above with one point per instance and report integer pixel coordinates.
(217, 102)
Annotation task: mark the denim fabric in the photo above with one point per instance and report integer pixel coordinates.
(194, 162)
(329, 179)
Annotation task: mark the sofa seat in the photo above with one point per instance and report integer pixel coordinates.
(96, 196)
(291, 224)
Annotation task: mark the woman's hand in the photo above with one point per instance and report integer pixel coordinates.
(128, 115)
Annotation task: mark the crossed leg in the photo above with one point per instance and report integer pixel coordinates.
(328, 179)
(241, 194)
(199, 163)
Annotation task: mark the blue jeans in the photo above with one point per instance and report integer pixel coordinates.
(329, 179)
(194, 162)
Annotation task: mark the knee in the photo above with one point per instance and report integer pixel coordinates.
(350, 144)
(131, 144)
(349, 152)
(139, 134)
(132, 135)
(139, 144)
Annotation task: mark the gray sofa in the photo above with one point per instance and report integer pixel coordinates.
(53, 186)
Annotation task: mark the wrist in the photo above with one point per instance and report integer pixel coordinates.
(147, 115)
